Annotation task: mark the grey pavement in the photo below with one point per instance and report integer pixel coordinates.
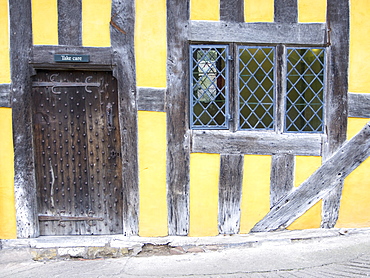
(310, 253)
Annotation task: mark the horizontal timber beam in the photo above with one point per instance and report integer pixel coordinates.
(331, 173)
(151, 99)
(42, 56)
(264, 33)
(5, 95)
(358, 105)
(225, 142)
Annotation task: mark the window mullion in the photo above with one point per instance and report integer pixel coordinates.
(233, 66)
(280, 88)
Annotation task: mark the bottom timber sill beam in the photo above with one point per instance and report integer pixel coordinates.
(334, 170)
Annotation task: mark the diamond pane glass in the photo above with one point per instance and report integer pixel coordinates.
(305, 90)
(256, 87)
(209, 86)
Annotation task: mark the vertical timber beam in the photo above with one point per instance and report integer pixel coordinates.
(24, 180)
(232, 10)
(282, 165)
(337, 88)
(178, 150)
(282, 177)
(280, 88)
(230, 192)
(122, 40)
(69, 22)
(285, 11)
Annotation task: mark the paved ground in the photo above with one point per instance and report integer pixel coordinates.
(316, 253)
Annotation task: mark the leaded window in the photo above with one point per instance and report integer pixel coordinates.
(256, 87)
(235, 87)
(305, 90)
(209, 84)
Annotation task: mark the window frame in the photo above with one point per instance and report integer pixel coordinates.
(279, 87)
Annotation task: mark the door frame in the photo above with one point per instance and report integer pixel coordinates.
(25, 58)
(101, 59)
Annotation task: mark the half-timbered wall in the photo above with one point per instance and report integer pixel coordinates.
(243, 200)
(178, 181)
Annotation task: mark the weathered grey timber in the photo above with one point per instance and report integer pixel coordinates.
(280, 87)
(285, 11)
(336, 100)
(282, 177)
(151, 99)
(232, 10)
(230, 192)
(42, 57)
(24, 180)
(178, 156)
(5, 95)
(329, 176)
(358, 105)
(69, 22)
(269, 33)
(123, 15)
(225, 142)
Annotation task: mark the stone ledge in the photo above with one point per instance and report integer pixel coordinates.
(115, 246)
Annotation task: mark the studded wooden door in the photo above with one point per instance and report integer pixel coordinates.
(77, 153)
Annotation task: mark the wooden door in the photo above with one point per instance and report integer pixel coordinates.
(77, 153)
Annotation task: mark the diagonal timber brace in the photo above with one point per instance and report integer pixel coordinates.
(350, 155)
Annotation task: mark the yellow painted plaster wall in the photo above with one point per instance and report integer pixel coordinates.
(96, 16)
(255, 202)
(150, 43)
(355, 204)
(359, 63)
(7, 205)
(311, 11)
(204, 178)
(151, 64)
(4, 43)
(152, 173)
(305, 166)
(205, 10)
(45, 22)
(259, 11)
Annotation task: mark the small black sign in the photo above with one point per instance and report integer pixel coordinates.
(68, 58)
